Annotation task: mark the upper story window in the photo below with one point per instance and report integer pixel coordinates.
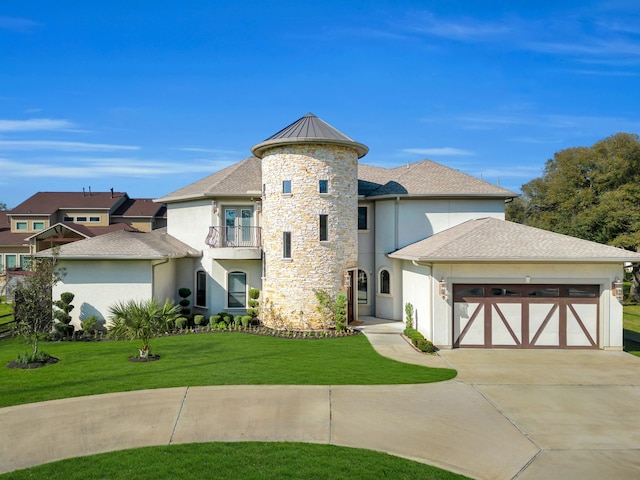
(324, 228)
(25, 262)
(323, 186)
(363, 220)
(81, 219)
(67, 219)
(286, 244)
(385, 281)
(286, 187)
(22, 226)
(94, 219)
(38, 226)
(11, 261)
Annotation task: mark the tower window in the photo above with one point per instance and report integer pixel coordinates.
(286, 244)
(324, 228)
(323, 186)
(286, 187)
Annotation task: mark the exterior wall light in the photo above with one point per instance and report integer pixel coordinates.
(346, 280)
(214, 206)
(442, 288)
(616, 289)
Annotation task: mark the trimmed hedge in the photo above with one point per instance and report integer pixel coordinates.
(418, 340)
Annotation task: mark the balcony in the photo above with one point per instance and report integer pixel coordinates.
(235, 243)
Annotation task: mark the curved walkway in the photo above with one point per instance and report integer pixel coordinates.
(508, 414)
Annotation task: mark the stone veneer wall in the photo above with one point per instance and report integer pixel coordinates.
(289, 285)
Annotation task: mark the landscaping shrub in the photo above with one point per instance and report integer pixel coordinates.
(214, 319)
(252, 311)
(408, 310)
(185, 302)
(199, 320)
(418, 340)
(181, 323)
(246, 320)
(221, 325)
(237, 320)
(61, 314)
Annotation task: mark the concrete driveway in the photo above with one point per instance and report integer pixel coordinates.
(508, 414)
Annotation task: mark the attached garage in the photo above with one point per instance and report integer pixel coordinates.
(490, 283)
(525, 316)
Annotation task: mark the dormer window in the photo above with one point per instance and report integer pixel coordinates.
(22, 226)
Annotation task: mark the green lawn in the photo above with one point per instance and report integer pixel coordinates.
(248, 461)
(88, 368)
(631, 317)
(5, 308)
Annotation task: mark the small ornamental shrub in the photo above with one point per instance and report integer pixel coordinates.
(170, 324)
(89, 325)
(181, 323)
(341, 312)
(237, 320)
(185, 302)
(199, 320)
(408, 310)
(61, 314)
(246, 320)
(214, 319)
(253, 311)
(221, 325)
(418, 340)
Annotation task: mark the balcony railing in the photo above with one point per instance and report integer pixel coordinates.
(234, 237)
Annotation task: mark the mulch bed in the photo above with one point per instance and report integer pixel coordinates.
(30, 366)
(150, 358)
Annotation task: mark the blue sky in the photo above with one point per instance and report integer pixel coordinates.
(148, 96)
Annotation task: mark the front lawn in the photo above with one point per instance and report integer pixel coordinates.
(631, 317)
(88, 368)
(249, 461)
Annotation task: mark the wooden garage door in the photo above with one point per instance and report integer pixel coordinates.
(525, 316)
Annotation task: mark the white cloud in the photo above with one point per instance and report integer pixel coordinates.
(217, 151)
(61, 146)
(34, 124)
(439, 152)
(459, 29)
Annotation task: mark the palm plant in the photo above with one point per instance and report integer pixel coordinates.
(140, 320)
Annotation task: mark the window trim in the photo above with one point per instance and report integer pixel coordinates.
(366, 209)
(381, 283)
(323, 229)
(287, 253)
(200, 274)
(246, 290)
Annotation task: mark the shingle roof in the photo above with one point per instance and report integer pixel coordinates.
(6, 237)
(493, 240)
(47, 203)
(426, 178)
(126, 245)
(309, 129)
(84, 230)
(242, 178)
(138, 207)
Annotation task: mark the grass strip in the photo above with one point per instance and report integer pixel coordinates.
(248, 461)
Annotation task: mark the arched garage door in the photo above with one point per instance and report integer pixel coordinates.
(525, 316)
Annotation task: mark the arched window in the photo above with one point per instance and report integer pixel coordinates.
(362, 287)
(236, 290)
(385, 281)
(201, 288)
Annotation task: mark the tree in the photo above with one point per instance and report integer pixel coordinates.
(141, 320)
(588, 192)
(3, 206)
(62, 314)
(33, 309)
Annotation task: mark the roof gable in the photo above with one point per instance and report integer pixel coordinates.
(493, 240)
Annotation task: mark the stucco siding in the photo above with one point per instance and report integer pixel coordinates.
(190, 222)
(99, 284)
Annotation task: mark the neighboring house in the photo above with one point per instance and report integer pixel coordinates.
(303, 215)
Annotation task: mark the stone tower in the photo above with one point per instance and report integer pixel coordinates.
(309, 218)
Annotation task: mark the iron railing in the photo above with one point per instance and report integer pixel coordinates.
(234, 237)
